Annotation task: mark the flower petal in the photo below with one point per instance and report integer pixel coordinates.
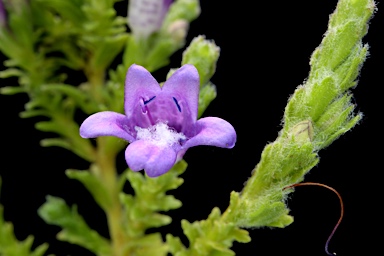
(154, 159)
(139, 85)
(146, 17)
(184, 86)
(106, 123)
(213, 131)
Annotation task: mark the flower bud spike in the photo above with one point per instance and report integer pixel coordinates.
(341, 208)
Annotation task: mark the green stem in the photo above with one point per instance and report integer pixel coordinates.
(105, 162)
(96, 80)
(106, 167)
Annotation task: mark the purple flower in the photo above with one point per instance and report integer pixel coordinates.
(160, 122)
(146, 16)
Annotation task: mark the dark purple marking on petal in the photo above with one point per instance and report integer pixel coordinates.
(177, 104)
(184, 86)
(147, 101)
(139, 84)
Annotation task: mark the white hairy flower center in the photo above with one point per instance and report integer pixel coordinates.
(159, 134)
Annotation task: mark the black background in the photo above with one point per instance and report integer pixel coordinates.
(265, 50)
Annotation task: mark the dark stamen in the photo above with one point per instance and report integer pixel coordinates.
(341, 206)
(147, 101)
(177, 104)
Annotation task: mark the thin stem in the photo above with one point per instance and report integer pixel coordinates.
(96, 80)
(341, 206)
(105, 162)
(106, 170)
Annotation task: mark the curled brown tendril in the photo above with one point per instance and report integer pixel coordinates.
(341, 206)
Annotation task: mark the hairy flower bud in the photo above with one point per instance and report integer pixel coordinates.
(178, 30)
(146, 16)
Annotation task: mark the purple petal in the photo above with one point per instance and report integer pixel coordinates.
(165, 9)
(154, 159)
(146, 17)
(3, 15)
(139, 85)
(184, 86)
(213, 131)
(167, 4)
(106, 123)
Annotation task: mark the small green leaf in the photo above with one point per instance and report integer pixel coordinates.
(142, 209)
(34, 113)
(10, 246)
(213, 236)
(94, 185)
(182, 10)
(106, 51)
(320, 95)
(282, 222)
(74, 229)
(149, 245)
(175, 244)
(70, 9)
(57, 142)
(11, 90)
(48, 126)
(10, 72)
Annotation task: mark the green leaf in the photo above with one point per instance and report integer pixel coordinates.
(107, 50)
(10, 246)
(55, 142)
(74, 229)
(213, 236)
(282, 222)
(11, 90)
(48, 126)
(69, 9)
(175, 244)
(182, 10)
(34, 113)
(81, 98)
(11, 72)
(94, 185)
(149, 245)
(142, 209)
